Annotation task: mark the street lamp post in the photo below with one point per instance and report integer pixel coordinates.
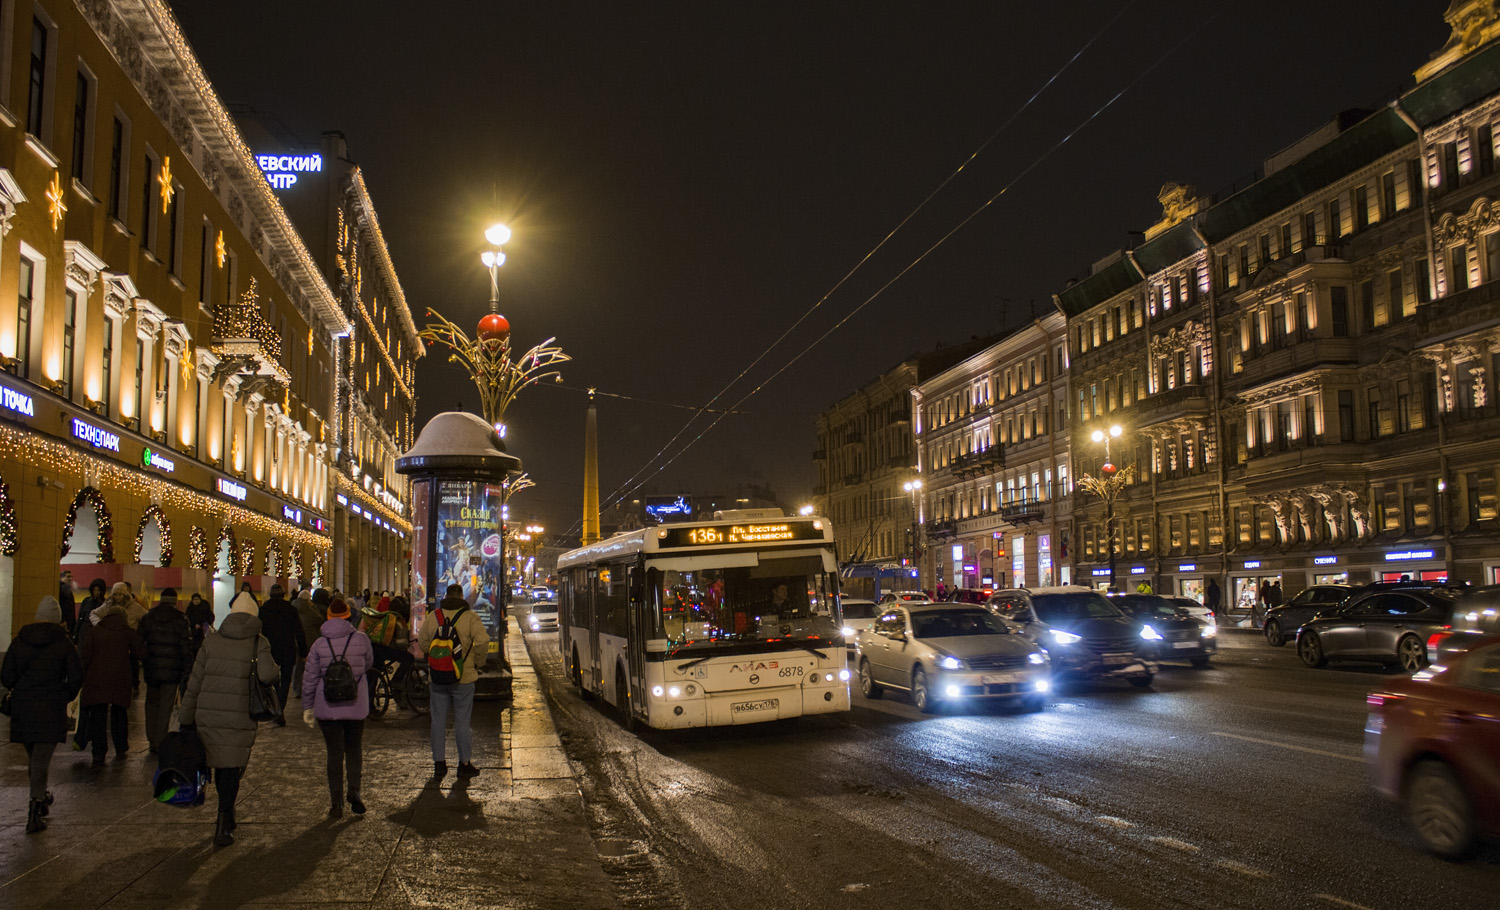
(493, 258)
(914, 487)
(1108, 486)
(534, 534)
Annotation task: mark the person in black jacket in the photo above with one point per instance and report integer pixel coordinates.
(200, 617)
(98, 594)
(282, 627)
(110, 653)
(169, 654)
(43, 673)
(65, 600)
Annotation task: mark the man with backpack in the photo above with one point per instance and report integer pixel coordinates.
(456, 644)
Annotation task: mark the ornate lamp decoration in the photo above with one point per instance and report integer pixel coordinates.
(488, 361)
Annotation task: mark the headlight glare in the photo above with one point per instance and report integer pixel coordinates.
(656, 690)
(674, 692)
(1210, 631)
(950, 663)
(843, 676)
(848, 631)
(1065, 638)
(1150, 634)
(1036, 657)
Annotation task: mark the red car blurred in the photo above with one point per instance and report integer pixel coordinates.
(1433, 742)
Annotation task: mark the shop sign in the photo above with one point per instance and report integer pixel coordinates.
(12, 400)
(341, 499)
(1325, 560)
(231, 489)
(318, 524)
(97, 437)
(1188, 567)
(1408, 554)
(155, 460)
(1101, 573)
(1252, 564)
(1137, 570)
(281, 170)
(291, 514)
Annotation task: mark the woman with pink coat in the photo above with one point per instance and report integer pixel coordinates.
(342, 722)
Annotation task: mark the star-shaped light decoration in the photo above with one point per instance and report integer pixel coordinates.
(55, 200)
(219, 252)
(165, 179)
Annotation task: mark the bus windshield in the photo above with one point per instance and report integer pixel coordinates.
(781, 601)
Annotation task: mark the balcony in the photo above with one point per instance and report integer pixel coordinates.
(1298, 357)
(941, 529)
(1460, 313)
(1021, 513)
(1188, 400)
(977, 464)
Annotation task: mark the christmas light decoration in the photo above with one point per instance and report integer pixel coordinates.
(247, 557)
(56, 206)
(163, 524)
(273, 556)
(197, 549)
(239, 326)
(90, 496)
(488, 362)
(226, 537)
(8, 541)
(294, 561)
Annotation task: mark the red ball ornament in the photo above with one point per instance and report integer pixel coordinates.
(494, 327)
(1108, 469)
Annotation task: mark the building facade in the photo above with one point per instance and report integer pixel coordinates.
(167, 341)
(1305, 369)
(991, 434)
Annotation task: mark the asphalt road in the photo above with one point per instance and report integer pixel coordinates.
(1242, 785)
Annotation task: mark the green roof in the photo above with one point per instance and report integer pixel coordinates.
(1172, 245)
(1118, 276)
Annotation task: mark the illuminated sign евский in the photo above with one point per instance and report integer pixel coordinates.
(281, 170)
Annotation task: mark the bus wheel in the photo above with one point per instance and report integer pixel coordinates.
(577, 674)
(622, 699)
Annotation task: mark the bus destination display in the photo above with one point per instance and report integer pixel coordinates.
(740, 532)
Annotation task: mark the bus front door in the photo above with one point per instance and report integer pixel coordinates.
(641, 627)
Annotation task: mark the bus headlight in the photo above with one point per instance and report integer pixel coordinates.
(674, 692)
(849, 631)
(843, 676)
(656, 690)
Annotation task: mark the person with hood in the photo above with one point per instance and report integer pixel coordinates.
(342, 723)
(283, 629)
(200, 617)
(457, 698)
(42, 672)
(168, 640)
(98, 594)
(111, 652)
(217, 702)
(311, 616)
(246, 593)
(65, 600)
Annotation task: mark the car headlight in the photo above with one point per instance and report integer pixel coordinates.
(1036, 657)
(535, 624)
(950, 663)
(1065, 638)
(848, 631)
(1210, 631)
(1150, 634)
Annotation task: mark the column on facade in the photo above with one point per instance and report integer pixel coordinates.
(175, 338)
(253, 403)
(228, 423)
(204, 366)
(302, 481)
(81, 268)
(148, 322)
(270, 413)
(119, 291)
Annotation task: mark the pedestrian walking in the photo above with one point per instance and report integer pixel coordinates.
(1212, 596)
(98, 594)
(111, 653)
(200, 617)
(168, 640)
(311, 617)
(65, 600)
(42, 672)
(283, 629)
(326, 702)
(472, 643)
(217, 703)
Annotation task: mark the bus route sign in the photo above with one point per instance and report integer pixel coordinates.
(738, 532)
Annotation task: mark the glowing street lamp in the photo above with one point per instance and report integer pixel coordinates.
(1108, 487)
(914, 487)
(497, 235)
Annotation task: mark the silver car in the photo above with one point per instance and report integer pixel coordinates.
(858, 614)
(950, 653)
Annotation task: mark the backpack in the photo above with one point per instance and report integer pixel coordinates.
(445, 654)
(340, 685)
(381, 627)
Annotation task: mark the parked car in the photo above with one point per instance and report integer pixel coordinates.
(1433, 742)
(950, 653)
(1167, 631)
(1282, 622)
(1384, 623)
(859, 614)
(1476, 614)
(1193, 608)
(979, 596)
(541, 616)
(894, 597)
(1085, 635)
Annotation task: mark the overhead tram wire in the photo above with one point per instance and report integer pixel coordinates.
(940, 241)
(624, 489)
(600, 393)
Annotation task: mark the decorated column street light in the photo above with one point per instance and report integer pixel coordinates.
(493, 258)
(914, 487)
(535, 531)
(1107, 486)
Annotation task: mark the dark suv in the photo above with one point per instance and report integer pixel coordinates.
(1384, 622)
(1086, 635)
(1282, 622)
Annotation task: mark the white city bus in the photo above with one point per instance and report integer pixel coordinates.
(730, 621)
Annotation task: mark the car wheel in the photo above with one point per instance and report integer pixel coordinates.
(1141, 682)
(1411, 654)
(622, 699)
(868, 687)
(1310, 649)
(1200, 663)
(921, 694)
(1274, 638)
(1438, 810)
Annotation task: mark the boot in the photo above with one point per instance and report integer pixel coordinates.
(232, 822)
(34, 820)
(356, 804)
(336, 806)
(222, 837)
(47, 803)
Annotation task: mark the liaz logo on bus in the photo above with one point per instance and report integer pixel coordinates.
(767, 532)
(753, 665)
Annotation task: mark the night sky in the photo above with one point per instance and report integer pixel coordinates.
(687, 180)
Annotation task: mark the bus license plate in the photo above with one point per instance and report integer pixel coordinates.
(995, 679)
(767, 704)
(1117, 659)
(1184, 644)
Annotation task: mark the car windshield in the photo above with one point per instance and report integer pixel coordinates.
(1072, 605)
(956, 623)
(854, 609)
(1147, 606)
(543, 607)
(788, 601)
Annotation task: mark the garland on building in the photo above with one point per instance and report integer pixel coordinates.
(247, 557)
(164, 525)
(226, 536)
(317, 572)
(294, 561)
(8, 540)
(197, 549)
(92, 497)
(273, 557)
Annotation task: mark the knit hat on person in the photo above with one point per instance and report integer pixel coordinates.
(384, 605)
(278, 591)
(121, 589)
(49, 610)
(169, 595)
(244, 603)
(337, 609)
(320, 597)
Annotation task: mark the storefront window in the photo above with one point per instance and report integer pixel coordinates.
(1044, 560)
(1018, 561)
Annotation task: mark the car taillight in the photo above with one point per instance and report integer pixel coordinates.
(1435, 642)
(1381, 699)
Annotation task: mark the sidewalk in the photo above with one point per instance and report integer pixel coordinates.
(515, 836)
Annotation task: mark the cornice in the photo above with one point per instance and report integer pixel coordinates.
(368, 218)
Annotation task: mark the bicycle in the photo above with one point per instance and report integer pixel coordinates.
(413, 693)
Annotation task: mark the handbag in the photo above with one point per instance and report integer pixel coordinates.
(264, 702)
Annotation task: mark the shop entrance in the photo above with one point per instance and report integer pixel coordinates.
(1192, 587)
(223, 583)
